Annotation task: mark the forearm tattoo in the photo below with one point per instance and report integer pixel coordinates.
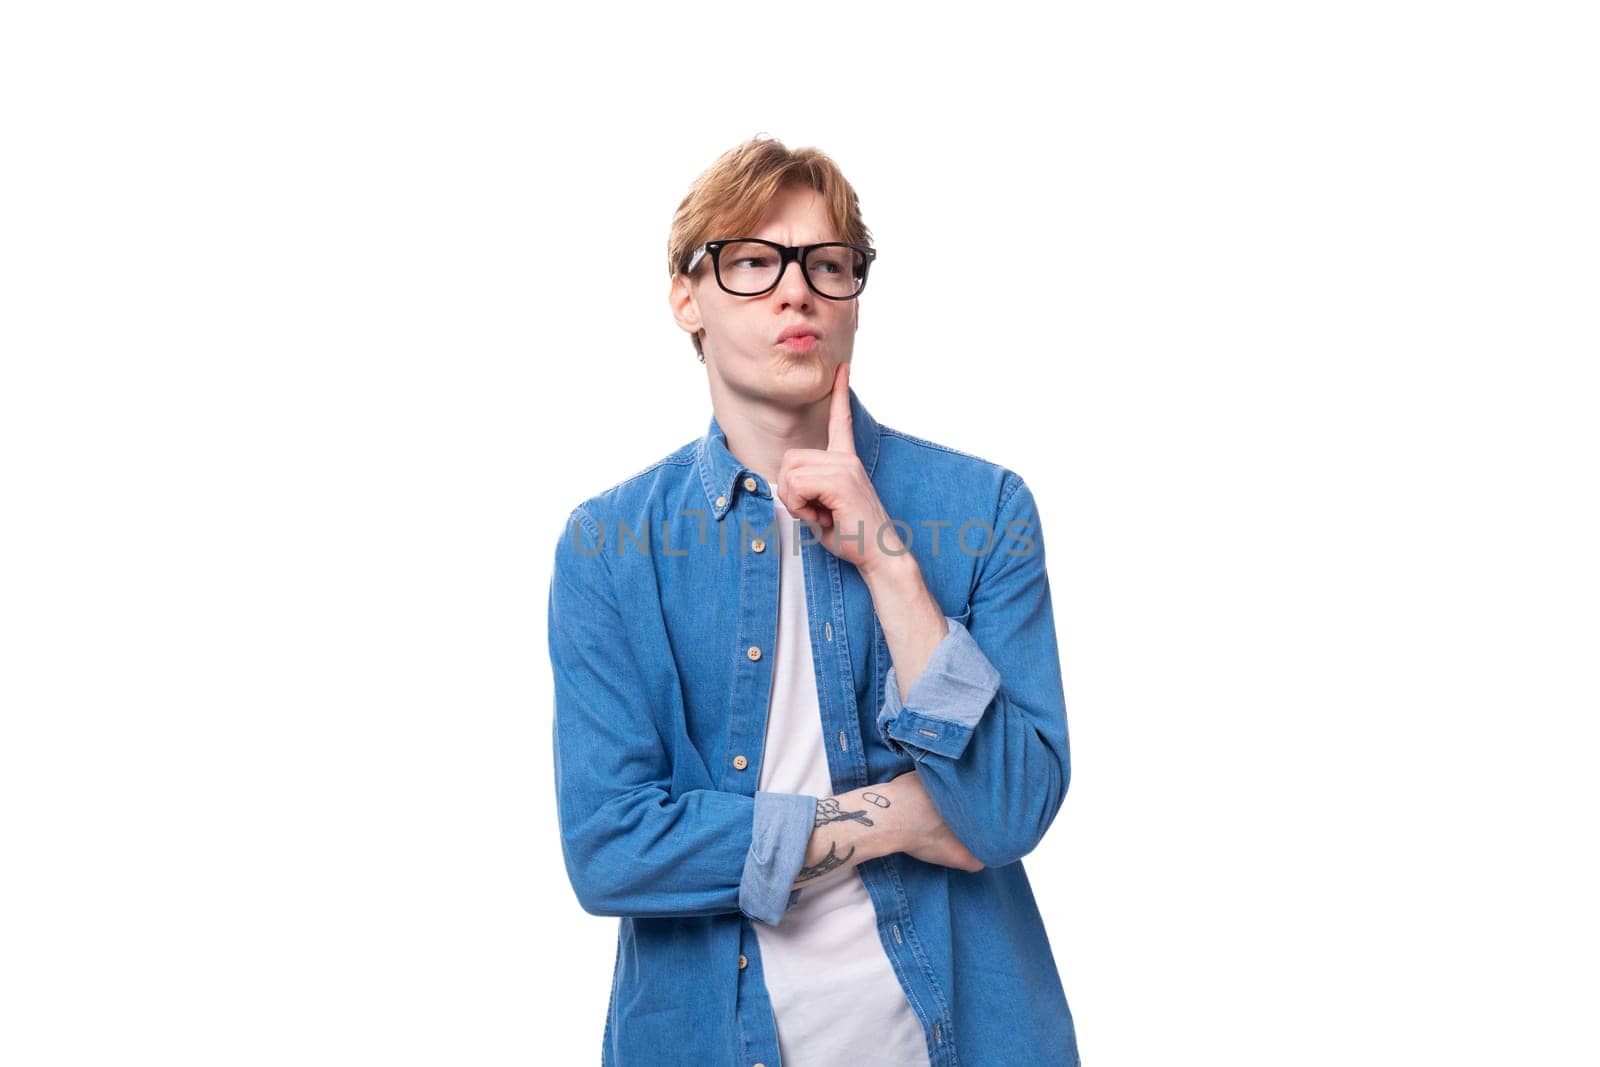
(828, 810)
(832, 861)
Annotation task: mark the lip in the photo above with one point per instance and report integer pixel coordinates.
(797, 331)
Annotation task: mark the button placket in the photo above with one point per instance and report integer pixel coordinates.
(826, 598)
(748, 695)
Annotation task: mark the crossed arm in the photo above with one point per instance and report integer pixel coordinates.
(981, 715)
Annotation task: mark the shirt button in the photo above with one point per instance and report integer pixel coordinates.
(750, 484)
(721, 500)
(754, 652)
(742, 961)
(740, 763)
(759, 545)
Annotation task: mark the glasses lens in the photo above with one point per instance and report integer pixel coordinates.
(837, 270)
(747, 267)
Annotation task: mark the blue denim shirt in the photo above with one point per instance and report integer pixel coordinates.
(662, 621)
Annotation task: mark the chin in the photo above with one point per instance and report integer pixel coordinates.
(799, 377)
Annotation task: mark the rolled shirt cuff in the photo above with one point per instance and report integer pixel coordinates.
(946, 702)
(779, 835)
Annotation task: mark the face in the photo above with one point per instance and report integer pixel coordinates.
(741, 332)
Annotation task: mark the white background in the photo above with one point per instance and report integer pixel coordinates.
(319, 317)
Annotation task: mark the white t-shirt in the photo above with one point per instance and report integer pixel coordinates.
(835, 996)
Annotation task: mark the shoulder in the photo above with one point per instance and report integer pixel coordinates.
(632, 496)
(905, 456)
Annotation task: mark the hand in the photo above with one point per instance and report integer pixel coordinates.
(829, 490)
(921, 829)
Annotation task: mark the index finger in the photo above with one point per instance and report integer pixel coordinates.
(841, 433)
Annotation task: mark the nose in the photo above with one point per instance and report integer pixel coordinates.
(792, 290)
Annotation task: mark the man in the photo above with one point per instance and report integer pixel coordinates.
(808, 702)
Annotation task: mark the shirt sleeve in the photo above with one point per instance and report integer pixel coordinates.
(986, 721)
(632, 844)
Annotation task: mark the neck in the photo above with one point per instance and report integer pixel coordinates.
(761, 429)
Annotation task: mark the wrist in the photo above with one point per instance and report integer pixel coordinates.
(891, 570)
(888, 817)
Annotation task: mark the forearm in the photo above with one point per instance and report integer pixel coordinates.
(850, 829)
(913, 623)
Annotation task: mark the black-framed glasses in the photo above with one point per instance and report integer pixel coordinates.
(749, 266)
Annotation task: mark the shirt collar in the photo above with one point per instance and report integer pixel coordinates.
(724, 477)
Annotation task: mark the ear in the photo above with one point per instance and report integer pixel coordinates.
(685, 308)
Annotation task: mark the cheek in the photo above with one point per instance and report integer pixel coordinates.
(727, 322)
